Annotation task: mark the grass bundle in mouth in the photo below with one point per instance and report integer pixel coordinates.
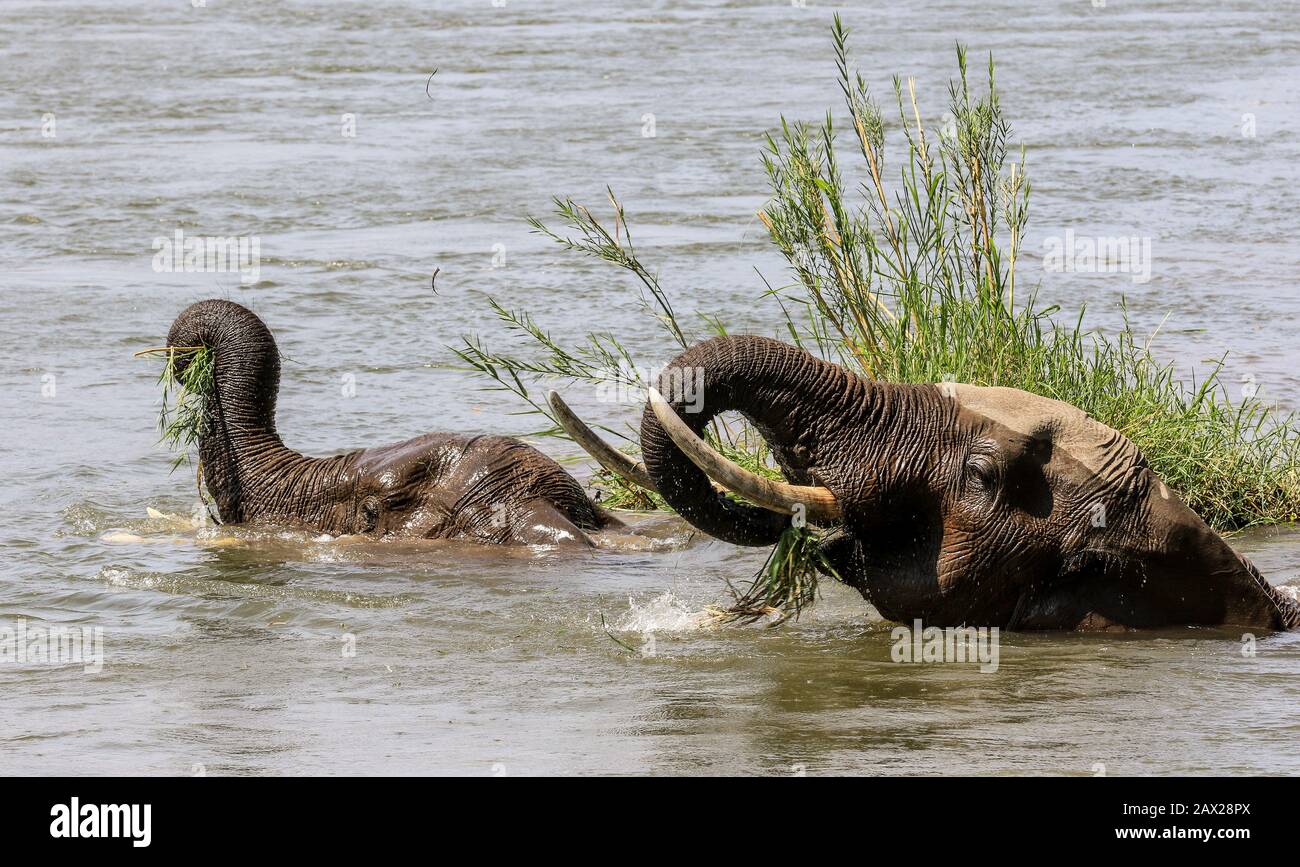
(787, 581)
(185, 396)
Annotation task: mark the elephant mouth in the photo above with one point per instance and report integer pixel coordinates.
(1101, 562)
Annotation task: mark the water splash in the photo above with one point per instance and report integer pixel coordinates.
(662, 613)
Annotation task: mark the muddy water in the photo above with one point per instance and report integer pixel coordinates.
(240, 652)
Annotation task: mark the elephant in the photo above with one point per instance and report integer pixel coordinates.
(955, 505)
(490, 489)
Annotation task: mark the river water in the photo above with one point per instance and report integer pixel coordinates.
(227, 651)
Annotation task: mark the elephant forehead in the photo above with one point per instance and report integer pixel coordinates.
(1098, 448)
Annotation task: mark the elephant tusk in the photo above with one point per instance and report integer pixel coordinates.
(817, 503)
(606, 455)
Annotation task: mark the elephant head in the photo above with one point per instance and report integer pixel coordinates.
(952, 504)
(485, 488)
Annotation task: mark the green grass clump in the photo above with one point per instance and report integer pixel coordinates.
(784, 585)
(615, 492)
(909, 276)
(917, 283)
(184, 396)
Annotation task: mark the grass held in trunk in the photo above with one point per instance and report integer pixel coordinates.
(785, 585)
(909, 276)
(184, 396)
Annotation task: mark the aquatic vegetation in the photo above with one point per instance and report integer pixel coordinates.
(913, 280)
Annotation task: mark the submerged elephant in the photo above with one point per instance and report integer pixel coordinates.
(954, 504)
(440, 485)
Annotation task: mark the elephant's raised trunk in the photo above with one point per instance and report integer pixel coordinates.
(787, 394)
(246, 467)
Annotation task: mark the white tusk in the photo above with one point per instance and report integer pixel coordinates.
(606, 455)
(817, 503)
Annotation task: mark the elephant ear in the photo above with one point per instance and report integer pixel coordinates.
(1079, 442)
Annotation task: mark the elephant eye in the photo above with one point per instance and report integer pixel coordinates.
(369, 517)
(983, 472)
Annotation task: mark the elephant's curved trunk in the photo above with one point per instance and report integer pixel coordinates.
(246, 466)
(812, 501)
(787, 394)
